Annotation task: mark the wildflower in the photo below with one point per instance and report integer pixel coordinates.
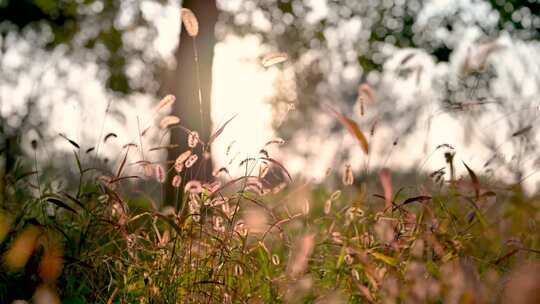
(194, 208)
(241, 228)
(336, 195)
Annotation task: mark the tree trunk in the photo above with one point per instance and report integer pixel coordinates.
(183, 82)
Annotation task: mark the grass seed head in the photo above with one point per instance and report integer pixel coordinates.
(160, 174)
(165, 102)
(177, 180)
(190, 22)
(273, 59)
(168, 121)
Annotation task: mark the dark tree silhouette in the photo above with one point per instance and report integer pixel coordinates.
(184, 80)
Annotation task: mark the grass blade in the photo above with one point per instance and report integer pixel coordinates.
(474, 180)
(353, 128)
(275, 162)
(61, 204)
(220, 130)
(73, 143)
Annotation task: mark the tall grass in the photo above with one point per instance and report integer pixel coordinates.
(244, 239)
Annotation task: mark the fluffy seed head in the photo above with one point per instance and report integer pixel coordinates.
(168, 121)
(193, 139)
(191, 24)
(191, 160)
(193, 187)
(165, 102)
(177, 180)
(274, 58)
(179, 162)
(160, 174)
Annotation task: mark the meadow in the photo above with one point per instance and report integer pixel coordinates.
(250, 239)
(110, 236)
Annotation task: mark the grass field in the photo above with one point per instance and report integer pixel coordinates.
(108, 234)
(264, 237)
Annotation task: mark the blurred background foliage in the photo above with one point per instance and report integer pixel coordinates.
(334, 46)
(98, 27)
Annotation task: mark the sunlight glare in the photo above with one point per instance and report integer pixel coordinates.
(241, 86)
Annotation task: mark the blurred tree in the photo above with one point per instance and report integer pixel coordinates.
(100, 32)
(192, 72)
(99, 26)
(118, 37)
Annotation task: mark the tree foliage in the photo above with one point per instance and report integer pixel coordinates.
(105, 29)
(334, 46)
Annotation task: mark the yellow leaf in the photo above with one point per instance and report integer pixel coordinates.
(353, 128)
(384, 258)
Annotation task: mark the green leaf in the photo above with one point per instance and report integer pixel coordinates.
(61, 204)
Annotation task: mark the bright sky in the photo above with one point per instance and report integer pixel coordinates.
(241, 86)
